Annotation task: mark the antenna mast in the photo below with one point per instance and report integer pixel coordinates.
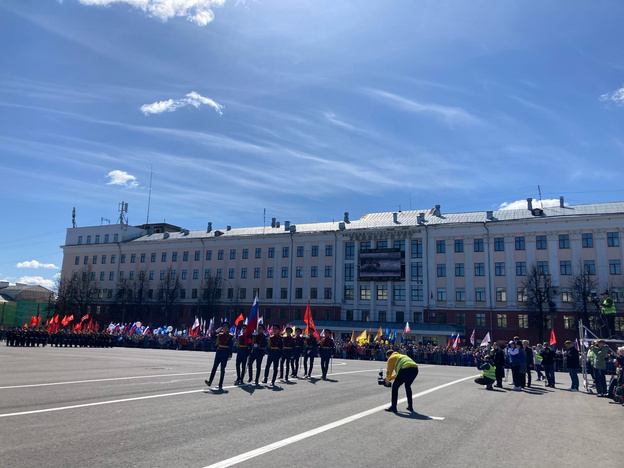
(539, 191)
(149, 197)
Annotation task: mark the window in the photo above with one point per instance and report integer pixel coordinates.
(243, 273)
(163, 274)
(313, 293)
(522, 295)
(207, 273)
(245, 254)
(328, 272)
(173, 274)
(519, 241)
(441, 294)
(132, 275)
(565, 267)
(256, 273)
(231, 273)
(441, 269)
(567, 295)
(480, 320)
(349, 251)
(614, 267)
(417, 271)
(564, 241)
(299, 272)
(540, 242)
(285, 252)
(142, 258)
(499, 268)
(208, 254)
(283, 293)
(441, 318)
(329, 250)
(568, 322)
(365, 292)
(163, 257)
(460, 294)
(185, 256)
(111, 276)
(103, 259)
(542, 268)
(94, 260)
(314, 271)
(269, 294)
(194, 293)
(152, 275)
(182, 293)
(523, 320)
(102, 275)
(327, 293)
(77, 260)
(184, 274)
(479, 269)
(459, 269)
(382, 244)
(587, 240)
(460, 320)
(499, 244)
(132, 258)
(399, 245)
(269, 272)
(501, 320)
(219, 272)
(520, 268)
(416, 248)
(349, 292)
(382, 292)
(480, 295)
(501, 295)
(115, 237)
(459, 245)
(478, 245)
(314, 251)
(284, 272)
(440, 246)
(366, 315)
(220, 254)
(271, 252)
(589, 267)
(195, 273)
(88, 239)
(298, 293)
(613, 239)
(113, 258)
(300, 251)
(122, 258)
(382, 316)
(399, 292)
(106, 238)
(153, 257)
(174, 256)
(349, 271)
(417, 293)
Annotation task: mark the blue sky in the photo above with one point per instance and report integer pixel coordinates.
(304, 108)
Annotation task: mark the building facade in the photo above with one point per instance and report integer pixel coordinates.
(442, 272)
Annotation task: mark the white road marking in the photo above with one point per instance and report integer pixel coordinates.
(304, 435)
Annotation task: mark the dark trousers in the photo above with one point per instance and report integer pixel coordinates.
(241, 363)
(255, 356)
(574, 378)
(500, 375)
(600, 380)
(484, 381)
(405, 376)
(515, 373)
(610, 323)
(272, 359)
(221, 358)
(285, 359)
(325, 357)
(549, 370)
(309, 357)
(294, 364)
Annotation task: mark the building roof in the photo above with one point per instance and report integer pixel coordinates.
(407, 219)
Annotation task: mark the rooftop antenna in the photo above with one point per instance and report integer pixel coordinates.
(149, 197)
(74, 216)
(539, 191)
(123, 208)
(104, 219)
(264, 220)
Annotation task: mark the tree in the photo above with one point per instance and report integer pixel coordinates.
(123, 297)
(140, 286)
(209, 297)
(584, 289)
(537, 289)
(85, 290)
(168, 293)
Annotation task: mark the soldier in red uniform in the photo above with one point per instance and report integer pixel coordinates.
(275, 351)
(311, 348)
(297, 351)
(224, 350)
(258, 347)
(288, 343)
(243, 343)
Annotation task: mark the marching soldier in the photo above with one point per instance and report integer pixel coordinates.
(275, 351)
(224, 350)
(327, 348)
(258, 347)
(311, 348)
(243, 342)
(287, 353)
(297, 351)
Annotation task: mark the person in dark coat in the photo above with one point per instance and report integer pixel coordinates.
(572, 363)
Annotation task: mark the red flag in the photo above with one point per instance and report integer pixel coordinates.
(33, 321)
(84, 317)
(239, 319)
(307, 318)
(553, 340)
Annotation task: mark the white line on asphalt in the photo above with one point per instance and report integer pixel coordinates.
(304, 435)
(148, 397)
(102, 380)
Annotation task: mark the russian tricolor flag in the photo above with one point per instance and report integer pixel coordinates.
(252, 323)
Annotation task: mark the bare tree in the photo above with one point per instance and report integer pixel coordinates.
(64, 295)
(209, 297)
(140, 285)
(537, 288)
(123, 298)
(85, 290)
(584, 288)
(168, 293)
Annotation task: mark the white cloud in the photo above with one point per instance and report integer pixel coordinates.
(192, 99)
(522, 204)
(196, 11)
(36, 264)
(617, 97)
(38, 280)
(121, 178)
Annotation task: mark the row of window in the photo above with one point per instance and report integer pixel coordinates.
(587, 241)
(98, 237)
(565, 268)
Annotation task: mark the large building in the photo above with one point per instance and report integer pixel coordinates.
(441, 272)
